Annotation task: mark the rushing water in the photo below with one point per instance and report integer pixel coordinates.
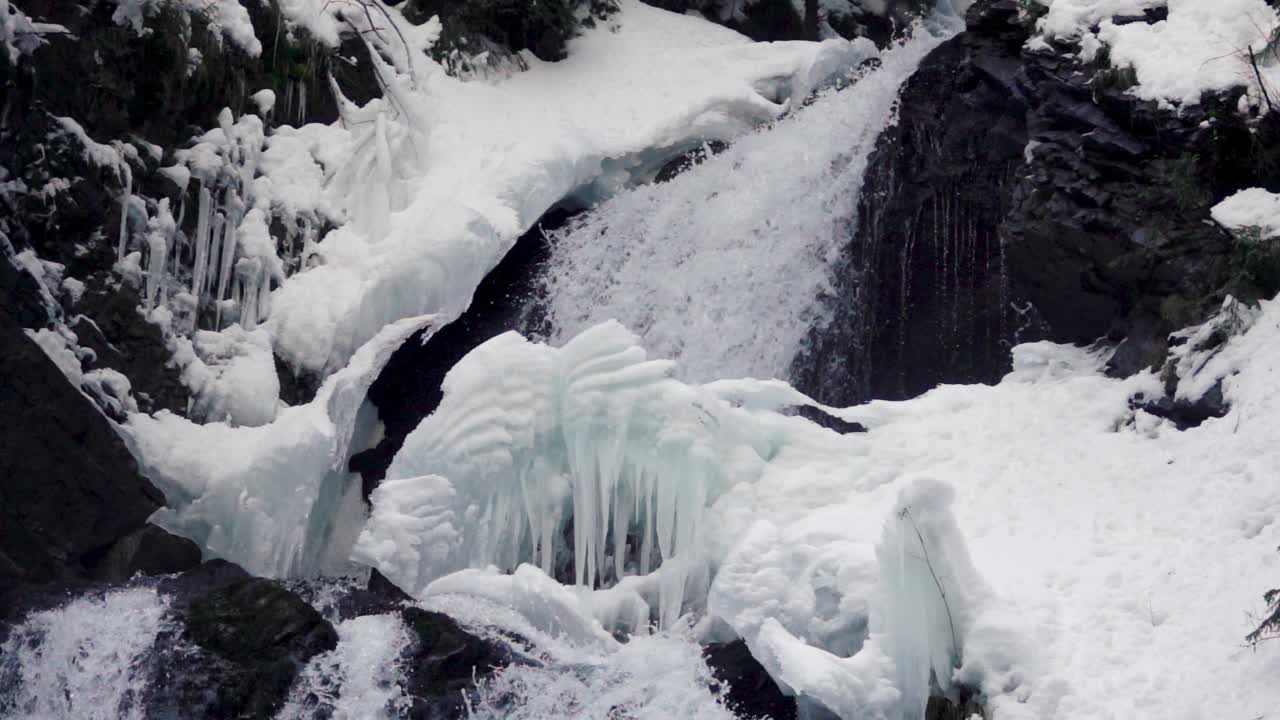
(86, 660)
(725, 267)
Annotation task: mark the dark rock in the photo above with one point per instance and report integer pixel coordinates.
(829, 421)
(248, 641)
(408, 389)
(68, 485)
(149, 550)
(1186, 414)
(922, 296)
(445, 663)
(201, 580)
(750, 692)
(689, 159)
(961, 703)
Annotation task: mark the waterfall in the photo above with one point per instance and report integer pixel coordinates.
(724, 267)
(87, 659)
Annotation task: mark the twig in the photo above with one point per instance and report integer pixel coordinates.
(1253, 60)
(955, 642)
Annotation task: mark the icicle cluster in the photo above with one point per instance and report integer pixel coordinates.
(233, 257)
(530, 439)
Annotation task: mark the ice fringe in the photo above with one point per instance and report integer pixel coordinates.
(529, 438)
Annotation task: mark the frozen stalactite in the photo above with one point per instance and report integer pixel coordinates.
(226, 263)
(204, 226)
(160, 236)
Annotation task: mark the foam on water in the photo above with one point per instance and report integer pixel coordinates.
(86, 660)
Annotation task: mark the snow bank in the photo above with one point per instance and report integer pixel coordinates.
(440, 181)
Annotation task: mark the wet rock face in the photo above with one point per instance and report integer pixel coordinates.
(249, 640)
(922, 291)
(444, 663)
(748, 689)
(1024, 196)
(70, 491)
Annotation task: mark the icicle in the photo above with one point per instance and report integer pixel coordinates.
(204, 219)
(214, 260)
(234, 208)
(159, 234)
(264, 295)
(248, 274)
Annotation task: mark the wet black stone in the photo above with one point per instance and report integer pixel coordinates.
(240, 649)
(445, 663)
(750, 691)
(831, 422)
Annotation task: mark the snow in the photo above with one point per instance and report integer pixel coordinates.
(1201, 47)
(757, 228)
(1250, 211)
(60, 350)
(19, 34)
(441, 180)
(225, 17)
(238, 384)
(86, 659)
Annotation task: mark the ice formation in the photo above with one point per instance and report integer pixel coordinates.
(276, 498)
(529, 437)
